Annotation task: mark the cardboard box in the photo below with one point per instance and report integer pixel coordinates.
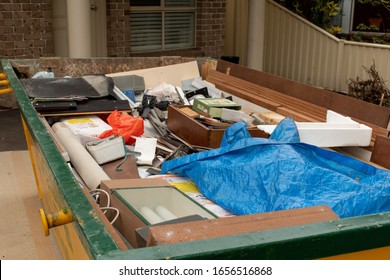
(130, 196)
(213, 106)
(196, 133)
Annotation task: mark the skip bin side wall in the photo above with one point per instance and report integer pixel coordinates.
(86, 237)
(366, 237)
(89, 236)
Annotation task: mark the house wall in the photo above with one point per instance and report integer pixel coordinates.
(118, 28)
(26, 29)
(210, 33)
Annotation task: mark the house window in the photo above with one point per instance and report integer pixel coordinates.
(371, 17)
(162, 25)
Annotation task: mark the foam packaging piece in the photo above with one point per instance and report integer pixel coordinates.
(337, 131)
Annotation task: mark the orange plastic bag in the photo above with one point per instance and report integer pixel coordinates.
(124, 125)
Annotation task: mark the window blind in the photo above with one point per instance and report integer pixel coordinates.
(144, 3)
(170, 26)
(146, 32)
(179, 30)
(179, 3)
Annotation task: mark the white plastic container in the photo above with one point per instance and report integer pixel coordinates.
(156, 204)
(106, 150)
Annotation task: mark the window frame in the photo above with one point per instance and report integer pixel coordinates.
(163, 10)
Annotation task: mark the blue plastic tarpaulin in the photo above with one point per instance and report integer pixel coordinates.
(253, 175)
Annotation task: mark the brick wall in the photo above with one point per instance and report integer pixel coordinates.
(210, 35)
(26, 28)
(118, 28)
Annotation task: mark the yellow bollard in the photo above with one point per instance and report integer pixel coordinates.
(5, 90)
(62, 217)
(4, 83)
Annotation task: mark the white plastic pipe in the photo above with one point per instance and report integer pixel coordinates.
(88, 169)
(150, 215)
(164, 213)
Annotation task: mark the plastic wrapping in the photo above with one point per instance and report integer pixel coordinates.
(124, 125)
(254, 175)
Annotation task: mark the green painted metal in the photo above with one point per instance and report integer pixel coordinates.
(309, 241)
(92, 230)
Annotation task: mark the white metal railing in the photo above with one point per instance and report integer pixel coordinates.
(298, 50)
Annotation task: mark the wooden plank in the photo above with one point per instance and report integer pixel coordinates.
(255, 99)
(225, 81)
(190, 231)
(365, 111)
(271, 117)
(299, 116)
(381, 151)
(186, 127)
(289, 106)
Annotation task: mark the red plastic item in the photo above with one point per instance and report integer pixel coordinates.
(124, 125)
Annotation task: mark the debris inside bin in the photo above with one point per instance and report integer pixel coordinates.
(187, 119)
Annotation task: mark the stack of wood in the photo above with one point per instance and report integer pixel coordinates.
(303, 103)
(268, 98)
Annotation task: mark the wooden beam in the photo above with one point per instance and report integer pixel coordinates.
(359, 109)
(268, 98)
(283, 104)
(211, 228)
(381, 151)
